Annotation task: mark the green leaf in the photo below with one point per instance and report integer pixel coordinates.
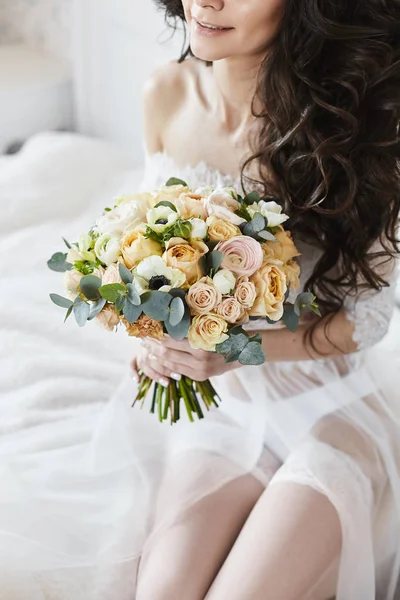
(182, 229)
(67, 243)
(96, 308)
(107, 209)
(177, 308)
(59, 263)
(81, 311)
(132, 312)
(120, 303)
(211, 262)
(252, 197)
(166, 203)
(61, 301)
(85, 267)
(257, 224)
(177, 292)
(68, 314)
(233, 349)
(90, 285)
(266, 236)
(252, 354)
(112, 291)
(179, 331)
(290, 318)
(175, 181)
(243, 213)
(155, 305)
(126, 274)
(133, 295)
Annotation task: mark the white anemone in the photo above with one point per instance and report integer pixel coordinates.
(154, 266)
(161, 218)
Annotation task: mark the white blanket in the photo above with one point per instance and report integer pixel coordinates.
(56, 186)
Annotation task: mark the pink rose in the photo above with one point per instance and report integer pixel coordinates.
(232, 311)
(203, 297)
(245, 292)
(243, 255)
(222, 205)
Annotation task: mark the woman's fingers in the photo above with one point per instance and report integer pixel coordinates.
(153, 370)
(168, 355)
(134, 367)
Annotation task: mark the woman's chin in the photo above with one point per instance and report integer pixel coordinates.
(201, 52)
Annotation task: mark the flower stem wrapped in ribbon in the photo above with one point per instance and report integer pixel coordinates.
(196, 264)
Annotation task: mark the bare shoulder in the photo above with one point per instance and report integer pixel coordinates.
(164, 92)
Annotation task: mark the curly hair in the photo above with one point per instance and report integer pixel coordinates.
(329, 141)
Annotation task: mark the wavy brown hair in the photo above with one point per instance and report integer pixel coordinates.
(329, 141)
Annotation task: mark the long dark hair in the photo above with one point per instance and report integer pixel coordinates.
(329, 144)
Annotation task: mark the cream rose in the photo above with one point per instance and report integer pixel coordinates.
(191, 206)
(179, 254)
(283, 249)
(111, 275)
(128, 214)
(232, 311)
(72, 280)
(221, 204)
(206, 331)
(270, 283)
(225, 281)
(144, 200)
(292, 272)
(135, 247)
(170, 193)
(107, 318)
(245, 292)
(203, 297)
(272, 211)
(243, 255)
(220, 230)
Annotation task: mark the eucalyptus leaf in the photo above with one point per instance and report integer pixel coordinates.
(132, 312)
(238, 344)
(252, 197)
(120, 303)
(179, 331)
(266, 236)
(90, 285)
(177, 292)
(177, 308)
(290, 318)
(166, 203)
(59, 263)
(258, 222)
(133, 295)
(252, 354)
(176, 181)
(183, 229)
(68, 313)
(125, 274)
(305, 298)
(96, 308)
(81, 312)
(112, 291)
(67, 243)
(155, 305)
(61, 301)
(215, 259)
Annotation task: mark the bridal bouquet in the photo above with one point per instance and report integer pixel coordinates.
(185, 263)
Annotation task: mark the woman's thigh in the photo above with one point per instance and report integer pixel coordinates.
(182, 559)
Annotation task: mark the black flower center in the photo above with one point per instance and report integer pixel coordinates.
(161, 221)
(158, 281)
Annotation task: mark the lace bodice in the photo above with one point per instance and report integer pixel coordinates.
(369, 312)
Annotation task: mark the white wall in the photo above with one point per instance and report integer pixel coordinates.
(43, 24)
(117, 45)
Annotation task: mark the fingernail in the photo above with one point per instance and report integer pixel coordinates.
(135, 378)
(152, 357)
(164, 382)
(176, 376)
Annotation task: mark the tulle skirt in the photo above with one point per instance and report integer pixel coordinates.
(74, 518)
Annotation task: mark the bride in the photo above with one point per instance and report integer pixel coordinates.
(291, 489)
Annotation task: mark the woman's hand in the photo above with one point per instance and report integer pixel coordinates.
(170, 359)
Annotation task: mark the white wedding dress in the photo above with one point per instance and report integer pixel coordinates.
(73, 520)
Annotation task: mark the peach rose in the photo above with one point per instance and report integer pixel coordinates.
(108, 318)
(245, 292)
(283, 250)
(179, 254)
(170, 192)
(135, 247)
(232, 311)
(271, 286)
(144, 327)
(191, 205)
(203, 297)
(221, 204)
(220, 230)
(243, 255)
(292, 272)
(206, 331)
(111, 275)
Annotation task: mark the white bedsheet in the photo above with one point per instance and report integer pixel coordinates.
(49, 370)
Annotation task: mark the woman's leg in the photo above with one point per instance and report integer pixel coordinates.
(182, 561)
(290, 542)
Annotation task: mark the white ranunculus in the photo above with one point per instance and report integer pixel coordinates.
(141, 284)
(205, 190)
(154, 265)
(161, 218)
(225, 281)
(107, 248)
(270, 210)
(221, 204)
(127, 214)
(199, 229)
(73, 255)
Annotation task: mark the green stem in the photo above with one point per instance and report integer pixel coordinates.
(186, 399)
(153, 402)
(167, 402)
(160, 390)
(189, 383)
